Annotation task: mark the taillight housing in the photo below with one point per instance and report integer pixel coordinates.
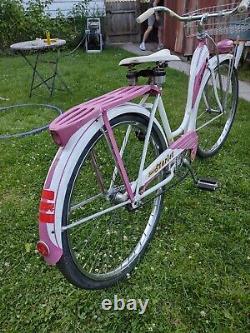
(42, 248)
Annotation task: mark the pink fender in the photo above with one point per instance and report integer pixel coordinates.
(68, 130)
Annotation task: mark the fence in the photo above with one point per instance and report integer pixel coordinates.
(121, 23)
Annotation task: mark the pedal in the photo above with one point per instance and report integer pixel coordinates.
(207, 184)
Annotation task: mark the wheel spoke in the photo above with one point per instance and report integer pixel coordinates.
(124, 144)
(94, 216)
(85, 202)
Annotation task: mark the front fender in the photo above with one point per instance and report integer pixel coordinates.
(212, 64)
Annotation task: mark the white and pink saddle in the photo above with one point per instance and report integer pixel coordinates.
(160, 56)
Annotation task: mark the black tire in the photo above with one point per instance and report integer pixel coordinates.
(213, 136)
(70, 264)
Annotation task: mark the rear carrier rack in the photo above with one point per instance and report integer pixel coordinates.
(64, 126)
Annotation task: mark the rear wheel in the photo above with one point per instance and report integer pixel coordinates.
(216, 115)
(102, 251)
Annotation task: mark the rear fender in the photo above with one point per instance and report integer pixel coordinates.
(56, 183)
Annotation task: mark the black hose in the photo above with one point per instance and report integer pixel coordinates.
(33, 131)
(39, 129)
(76, 48)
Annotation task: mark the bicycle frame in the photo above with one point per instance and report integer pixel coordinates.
(201, 67)
(96, 115)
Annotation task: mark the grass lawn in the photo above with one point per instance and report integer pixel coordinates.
(244, 72)
(195, 272)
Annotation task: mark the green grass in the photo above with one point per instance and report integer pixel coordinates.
(244, 72)
(195, 272)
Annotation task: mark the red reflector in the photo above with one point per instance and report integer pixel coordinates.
(46, 206)
(46, 218)
(48, 194)
(42, 248)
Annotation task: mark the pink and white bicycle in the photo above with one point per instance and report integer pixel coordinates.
(103, 194)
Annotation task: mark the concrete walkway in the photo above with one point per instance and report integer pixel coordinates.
(244, 87)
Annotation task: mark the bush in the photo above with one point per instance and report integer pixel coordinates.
(19, 24)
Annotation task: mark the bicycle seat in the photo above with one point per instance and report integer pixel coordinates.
(160, 56)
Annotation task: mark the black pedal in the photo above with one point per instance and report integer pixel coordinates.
(207, 184)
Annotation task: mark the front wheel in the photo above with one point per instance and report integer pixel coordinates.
(217, 109)
(103, 250)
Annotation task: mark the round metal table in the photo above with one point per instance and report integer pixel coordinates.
(39, 46)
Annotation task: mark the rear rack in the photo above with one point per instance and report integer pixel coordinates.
(64, 126)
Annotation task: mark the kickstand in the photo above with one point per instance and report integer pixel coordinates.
(206, 184)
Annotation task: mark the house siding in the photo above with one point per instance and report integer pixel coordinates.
(66, 6)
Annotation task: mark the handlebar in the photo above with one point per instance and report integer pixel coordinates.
(242, 7)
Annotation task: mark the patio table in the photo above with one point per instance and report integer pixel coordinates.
(39, 46)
